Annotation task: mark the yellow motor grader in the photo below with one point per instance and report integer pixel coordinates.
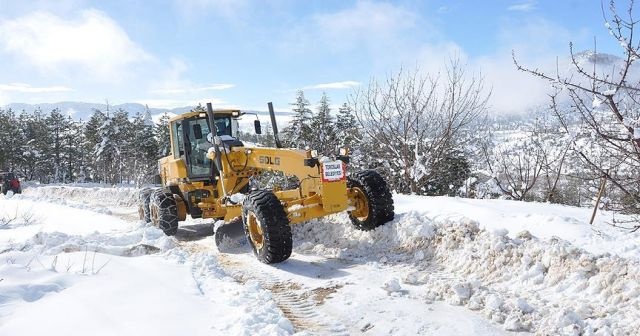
(208, 175)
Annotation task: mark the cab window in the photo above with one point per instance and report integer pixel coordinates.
(223, 126)
(178, 141)
(199, 163)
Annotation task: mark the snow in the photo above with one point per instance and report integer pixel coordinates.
(79, 272)
(596, 102)
(77, 261)
(544, 221)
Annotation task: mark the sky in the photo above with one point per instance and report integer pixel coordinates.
(245, 53)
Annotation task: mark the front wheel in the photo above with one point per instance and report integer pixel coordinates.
(373, 201)
(267, 227)
(163, 211)
(144, 198)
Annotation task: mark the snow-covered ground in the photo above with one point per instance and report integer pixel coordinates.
(76, 261)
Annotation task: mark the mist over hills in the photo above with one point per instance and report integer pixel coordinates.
(587, 59)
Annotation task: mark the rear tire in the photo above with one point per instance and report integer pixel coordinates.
(144, 198)
(163, 211)
(267, 227)
(377, 196)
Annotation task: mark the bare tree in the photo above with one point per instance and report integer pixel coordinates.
(553, 144)
(413, 121)
(515, 166)
(604, 94)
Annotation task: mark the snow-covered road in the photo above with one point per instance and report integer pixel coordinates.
(78, 262)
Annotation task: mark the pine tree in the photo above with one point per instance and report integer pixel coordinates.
(123, 141)
(299, 133)
(91, 141)
(35, 130)
(74, 158)
(58, 128)
(161, 131)
(11, 141)
(267, 138)
(322, 128)
(144, 148)
(105, 151)
(347, 131)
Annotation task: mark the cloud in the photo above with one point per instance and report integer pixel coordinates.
(333, 86)
(26, 88)
(12, 8)
(523, 6)
(443, 10)
(91, 44)
(173, 103)
(369, 37)
(222, 8)
(174, 82)
(191, 89)
(537, 43)
(370, 23)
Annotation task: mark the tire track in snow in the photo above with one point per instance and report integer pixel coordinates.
(298, 303)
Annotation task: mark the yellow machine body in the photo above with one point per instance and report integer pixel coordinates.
(316, 195)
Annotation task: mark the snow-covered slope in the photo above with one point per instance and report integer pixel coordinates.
(444, 266)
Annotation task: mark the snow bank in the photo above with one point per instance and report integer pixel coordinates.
(526, 284)
(85, 194)
(543, 220)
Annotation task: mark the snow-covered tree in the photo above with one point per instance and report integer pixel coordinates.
(12, 141)
(74, 158)
(323, 134)
(34, 127)
(299, 134)
(91, 141)
(59, 134)
(412, 122)
(161, 130)
(123, 140)
(516, 167)
(106, 152)
(347, 128)
(144, 148)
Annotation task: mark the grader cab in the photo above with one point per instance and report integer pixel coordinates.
(209, 173)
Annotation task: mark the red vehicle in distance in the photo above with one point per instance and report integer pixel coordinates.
(9, 181)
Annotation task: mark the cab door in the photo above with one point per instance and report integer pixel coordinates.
(195, 131)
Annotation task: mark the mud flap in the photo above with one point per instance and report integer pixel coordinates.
(230, 235)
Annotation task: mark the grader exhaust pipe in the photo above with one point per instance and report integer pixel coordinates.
(272, 114)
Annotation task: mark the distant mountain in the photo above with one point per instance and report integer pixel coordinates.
(588, 57)
(81, 110)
